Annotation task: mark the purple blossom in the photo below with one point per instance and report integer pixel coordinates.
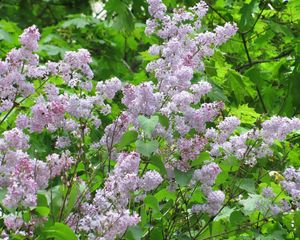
(268, 192)
(29, 38)
(150, 180)
(207, 174)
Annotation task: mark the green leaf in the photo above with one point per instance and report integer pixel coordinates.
(134, 233)
(72, 199)
(240, 86)
(5, 36)
(245, 114)
(164, 121)
(183, 178)
(165, 194)
(146, 56)
(123, 19)
(157, 234)
(148, 124)
(224, 214)
(247, 15)
(127, 138)
(297, 223)
(78, 22)
(52, 50)
(222, 178)
(237, 217)
(250, 203)
(247, 184)
(3, 192)
(204, 156)
(146, 148)
(151, 202)
(42, 211)
(26, 216)
(156, 161)
(280, 28)
(60, 231)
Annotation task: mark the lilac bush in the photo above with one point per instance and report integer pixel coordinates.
(99, 172)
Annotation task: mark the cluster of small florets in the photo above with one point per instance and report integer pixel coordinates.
(207, 176)
(53, 110)
(291, 184)
(253, 144)
(23, 176)
(268, 206)
(189, 149)
(141, 99)
(174, 95)
(17, 66)
(277, 128)
(184, 47)
(108, 215)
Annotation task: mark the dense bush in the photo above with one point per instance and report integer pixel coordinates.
(156, 155)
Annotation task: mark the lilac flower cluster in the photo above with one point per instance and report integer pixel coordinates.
(207, 176)
(18, 65)
(277, 128)
(182, 52)
(184, 48)
(23, 176)
(189, 150)
(55, 111)
(268, 206)
(141, 99)
(291, 184)
(108, 215)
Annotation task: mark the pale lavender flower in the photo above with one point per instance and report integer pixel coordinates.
(151, 180)
(30, 37)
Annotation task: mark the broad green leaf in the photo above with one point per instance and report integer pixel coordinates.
(157, 234)
(72, 199)
(183, 178)
(146, 148)
(78, 22)
(203, 156)
(165, 194)
(237, 217)
(52, 50)
(240, 86)
(245, 114)
(164, 121)
(148, 124)
(250, 203)
(42, 211)
(4, 36)
(151, 202)
(281, 28)
(123, 20)
(3, 192)
(247, 18)
(222, 178)
(297, 223)
(26, 216)
(224, 214)
(134, 233)
(157, 161)
(60, 231)
(247, 184)
(127, 138)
